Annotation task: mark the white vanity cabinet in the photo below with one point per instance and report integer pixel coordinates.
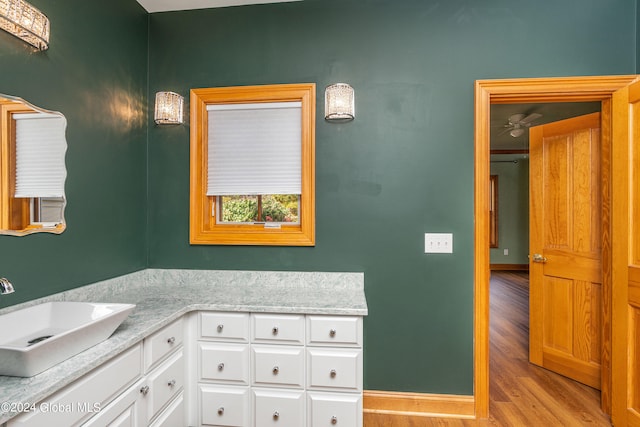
(223, 369)
(278, 369)
(285, 370)
(165, 369)
(89, 395)
(223, 360)
(334, 371)
(157, 399)
(143, 385)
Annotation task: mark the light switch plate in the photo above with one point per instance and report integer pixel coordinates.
(438, 243)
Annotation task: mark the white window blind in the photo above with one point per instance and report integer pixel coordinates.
(40, 150)
(254, 149)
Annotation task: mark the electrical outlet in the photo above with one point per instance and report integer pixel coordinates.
(438, 243)
(506, 251)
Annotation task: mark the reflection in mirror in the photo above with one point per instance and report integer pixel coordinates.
(32, 168)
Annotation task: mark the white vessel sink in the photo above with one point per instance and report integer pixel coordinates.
(36, 338)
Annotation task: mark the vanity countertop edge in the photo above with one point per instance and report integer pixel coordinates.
(164, 295)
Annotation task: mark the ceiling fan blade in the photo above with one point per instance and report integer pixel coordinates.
(515, 118)
(508, 129)
(531, 117)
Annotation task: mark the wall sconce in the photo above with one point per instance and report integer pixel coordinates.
(168, 109)
(339, 103)
(24, 21)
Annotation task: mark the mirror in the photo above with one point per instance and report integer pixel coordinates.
(32, 168)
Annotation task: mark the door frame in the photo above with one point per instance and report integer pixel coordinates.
(517, 91)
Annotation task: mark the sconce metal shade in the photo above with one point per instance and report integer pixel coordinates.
(339, 102)
(24, 21)
(168, 110)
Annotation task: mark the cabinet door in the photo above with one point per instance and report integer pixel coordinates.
(224, 326)
(335, 368)
(163, 342)
(334, 410)
(278, 329)
(278, 408)
(334, 331)
(173, 416)
(125, 411)
(228, 363)
(164, 383)
(224, 406)
(75, 403)
(280, 366)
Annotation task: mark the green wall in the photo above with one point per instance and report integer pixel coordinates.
(402, 168)
(95, 74)
(513, 212)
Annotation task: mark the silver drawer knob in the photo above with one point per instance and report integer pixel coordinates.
(220, 410)
(171, 383)
(333, 373)
(276, 370)
(274, 331)
(171, 340)
(276, 415)
(334, 420)
(220, 366)
(332, 333)
(220, 328)
(144, 390)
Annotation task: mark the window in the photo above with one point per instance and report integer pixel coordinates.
(253, 165)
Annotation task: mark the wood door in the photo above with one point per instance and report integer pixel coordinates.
(565, 248)
(626, 257)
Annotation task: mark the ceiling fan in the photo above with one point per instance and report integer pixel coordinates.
(518, 123)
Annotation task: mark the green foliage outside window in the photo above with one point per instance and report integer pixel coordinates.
(275, 208)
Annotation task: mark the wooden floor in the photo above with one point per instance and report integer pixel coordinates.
(521, 394)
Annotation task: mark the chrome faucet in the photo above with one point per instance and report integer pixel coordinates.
(5, 286)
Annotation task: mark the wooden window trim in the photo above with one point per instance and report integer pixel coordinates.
(14, 212)
(203, 229)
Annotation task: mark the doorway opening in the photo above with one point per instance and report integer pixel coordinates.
(487, 92)
(517, 380)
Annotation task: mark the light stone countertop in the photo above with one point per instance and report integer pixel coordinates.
(161, 296)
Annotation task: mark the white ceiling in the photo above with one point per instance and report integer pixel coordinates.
(168, 5)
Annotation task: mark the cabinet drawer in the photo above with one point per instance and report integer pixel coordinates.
(224, 326)
(162, 342)
(278, 328)
(224, 406)
(173, 416)
(278, 365)
(164, 383)
(224, 362)
(278, 408)
(334, 368)
(335, 330)
(96, 389)
(334, 410)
